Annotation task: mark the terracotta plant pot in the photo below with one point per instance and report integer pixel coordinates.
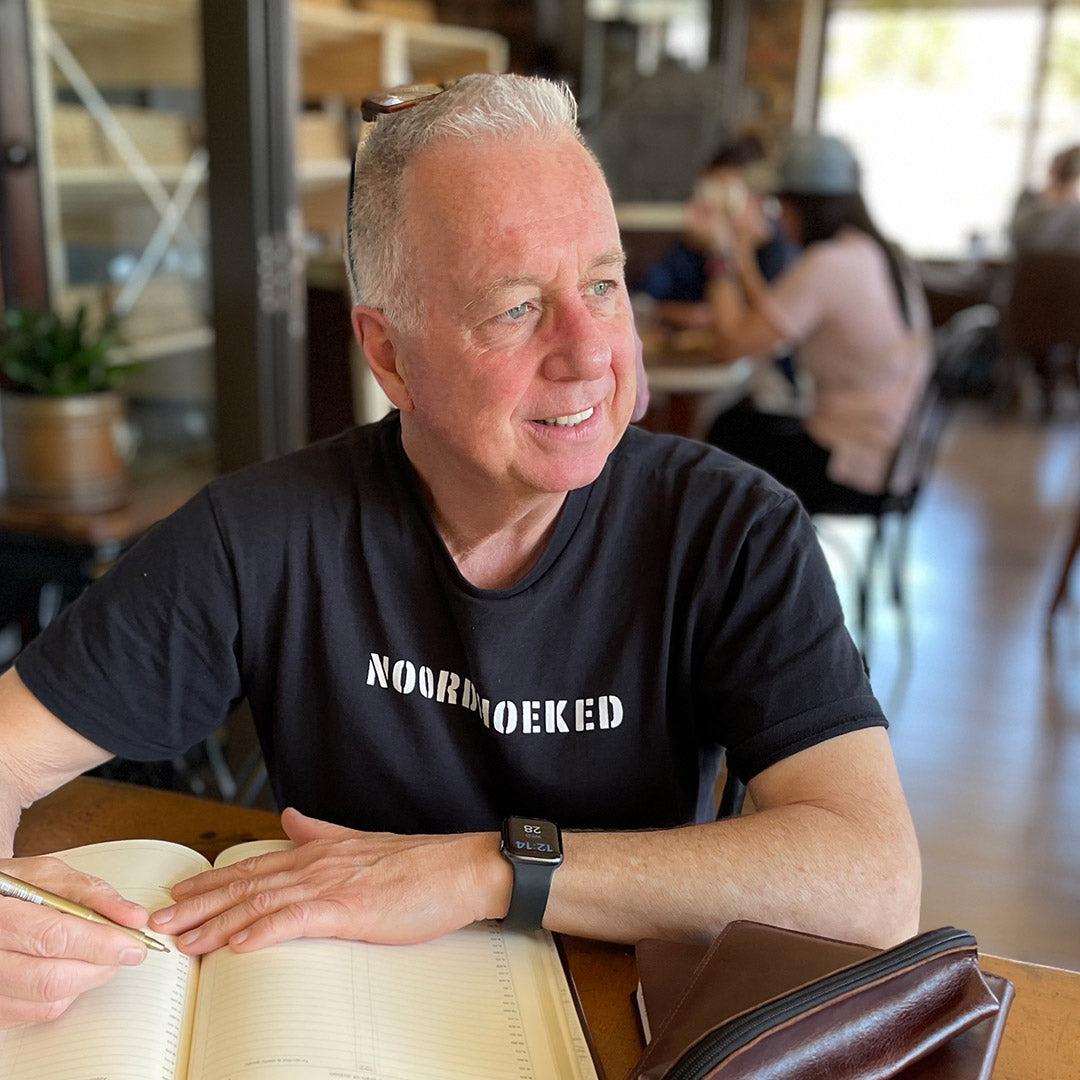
(66, 454)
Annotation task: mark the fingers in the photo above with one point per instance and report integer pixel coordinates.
(44, 982)
(48, 958)
(222, 918)
(56, 876)
(34, 931)
(216, 892)
(15, 1012)
(233, 875)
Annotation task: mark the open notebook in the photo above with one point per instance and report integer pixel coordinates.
(478, 1004)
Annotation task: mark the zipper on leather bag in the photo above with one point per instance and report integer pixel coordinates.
(711, 1049)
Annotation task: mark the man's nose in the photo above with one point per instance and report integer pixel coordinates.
(578, 347)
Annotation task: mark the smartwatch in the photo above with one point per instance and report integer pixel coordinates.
(534, 850)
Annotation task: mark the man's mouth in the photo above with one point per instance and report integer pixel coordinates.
(569, 421)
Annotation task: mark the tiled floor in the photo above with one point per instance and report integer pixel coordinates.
(985, 712)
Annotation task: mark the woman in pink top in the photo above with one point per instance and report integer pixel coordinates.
(854, 309)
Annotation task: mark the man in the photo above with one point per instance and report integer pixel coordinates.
(498, 601)
(733, 183)
(679, 281)
(1050, 220)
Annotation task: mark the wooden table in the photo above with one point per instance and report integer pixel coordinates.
(686, 385)
(1041, 1041)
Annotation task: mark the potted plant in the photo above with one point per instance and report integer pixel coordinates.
(64, 432)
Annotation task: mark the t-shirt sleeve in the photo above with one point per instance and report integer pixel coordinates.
(782, 672)
(797, 300)
(678, 276)
(144, 663)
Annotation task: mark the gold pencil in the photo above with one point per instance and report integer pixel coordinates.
(22, 890)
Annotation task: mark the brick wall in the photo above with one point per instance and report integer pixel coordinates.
(772, 55)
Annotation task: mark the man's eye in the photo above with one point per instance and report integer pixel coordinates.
(518, 311)
(602, 288)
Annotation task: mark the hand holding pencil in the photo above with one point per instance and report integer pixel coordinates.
(17, 889)
(48, 958)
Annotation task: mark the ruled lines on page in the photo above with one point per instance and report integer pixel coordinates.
(472, 1005)
(446, 1010)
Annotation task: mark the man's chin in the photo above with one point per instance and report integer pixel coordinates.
(568, 477)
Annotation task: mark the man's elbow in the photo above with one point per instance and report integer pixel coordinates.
(893, 911)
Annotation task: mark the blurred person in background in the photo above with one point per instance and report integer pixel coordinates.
(1050, 220)
(734, 180)
(852, 306)
(678, 282)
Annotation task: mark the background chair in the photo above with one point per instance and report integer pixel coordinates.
(960, 347)
(1042, 324)
(907, 475)
(732, 797)
(1061, 590)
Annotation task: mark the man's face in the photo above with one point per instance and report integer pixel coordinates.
(521, 379)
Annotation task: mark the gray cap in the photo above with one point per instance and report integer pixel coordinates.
(813, 164)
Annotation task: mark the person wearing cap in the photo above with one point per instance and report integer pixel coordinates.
(498, 611)
(852, 306)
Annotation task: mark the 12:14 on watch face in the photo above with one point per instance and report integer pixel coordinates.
(532, 840)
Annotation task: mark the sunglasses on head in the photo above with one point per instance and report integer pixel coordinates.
(396, 99)
(399, 98)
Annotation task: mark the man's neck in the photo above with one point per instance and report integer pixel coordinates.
(496, 556)
(494, 538)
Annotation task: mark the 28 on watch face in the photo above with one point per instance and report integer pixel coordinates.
(537, 841)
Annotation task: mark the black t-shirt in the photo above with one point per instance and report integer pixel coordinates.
(682, 605)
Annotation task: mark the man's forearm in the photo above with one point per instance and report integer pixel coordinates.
(830, 849)
(38, 753)
(798, 866)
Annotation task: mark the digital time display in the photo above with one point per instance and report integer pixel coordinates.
(533, 839)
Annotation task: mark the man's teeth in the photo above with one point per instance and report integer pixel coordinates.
(569, 421)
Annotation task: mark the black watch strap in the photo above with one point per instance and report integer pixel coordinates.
(533, 848)
(528, 901)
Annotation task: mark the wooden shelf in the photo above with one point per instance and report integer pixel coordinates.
(88, 186)
(344, 54)
(198, 337)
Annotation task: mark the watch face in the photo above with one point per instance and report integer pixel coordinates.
(536, 841)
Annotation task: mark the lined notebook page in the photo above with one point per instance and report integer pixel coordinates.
(137, 1026)
(473, 1005)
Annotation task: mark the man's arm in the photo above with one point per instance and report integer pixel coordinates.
(47, 958)
(829, 849)
(38, 753)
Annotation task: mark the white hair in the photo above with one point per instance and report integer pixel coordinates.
(505, 106)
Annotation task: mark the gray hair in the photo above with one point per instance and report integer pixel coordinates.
(475, 106)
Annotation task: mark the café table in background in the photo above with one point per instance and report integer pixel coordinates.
(687, 386)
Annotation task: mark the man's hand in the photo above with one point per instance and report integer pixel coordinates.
(337, 882)
(47, 958)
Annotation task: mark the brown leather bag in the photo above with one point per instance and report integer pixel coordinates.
(764, 1003)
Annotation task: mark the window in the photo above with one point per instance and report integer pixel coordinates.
(953, 109)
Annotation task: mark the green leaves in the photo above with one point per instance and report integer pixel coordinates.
(42, 352)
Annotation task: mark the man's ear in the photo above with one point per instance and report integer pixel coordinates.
(381, 352)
